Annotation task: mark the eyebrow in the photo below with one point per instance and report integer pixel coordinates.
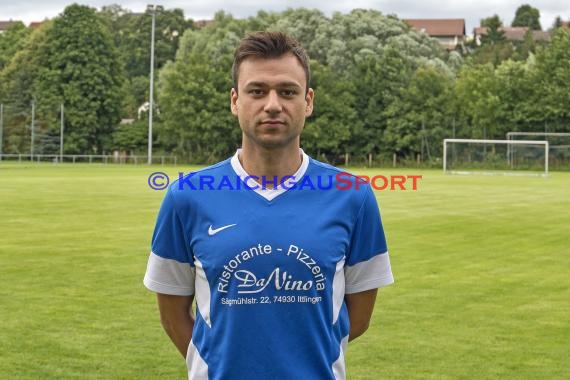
(280, 84)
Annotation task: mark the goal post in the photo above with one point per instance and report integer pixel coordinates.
(473, 156)
(512, 135)
(558, 146)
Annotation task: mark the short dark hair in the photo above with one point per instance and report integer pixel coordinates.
(269, 45)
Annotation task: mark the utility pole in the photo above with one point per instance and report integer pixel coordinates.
(33, 121)
(152, 9)
(61, 136)
(1, 128)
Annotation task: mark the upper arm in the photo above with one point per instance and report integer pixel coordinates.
(177, 319)
(170, 305)
(368, 265)
(170, 268)
(360, 306)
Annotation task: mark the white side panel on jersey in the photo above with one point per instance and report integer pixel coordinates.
(169, 276)
(338, 367)
(370, 274)
(338, 289)
(203, 297)
(197, 367)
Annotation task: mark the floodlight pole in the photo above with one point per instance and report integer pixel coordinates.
(1, 128)
(61, 137)
(153, 9)
(33, 122)
(444, 156)
(546, 157)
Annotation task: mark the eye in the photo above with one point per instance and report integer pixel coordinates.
(288, 93)
(256, 92)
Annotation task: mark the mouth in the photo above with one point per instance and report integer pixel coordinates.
(272, 123)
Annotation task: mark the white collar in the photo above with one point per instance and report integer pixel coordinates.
(268, 193)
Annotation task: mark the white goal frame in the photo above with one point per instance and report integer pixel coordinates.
(511, 137)
(509, 142)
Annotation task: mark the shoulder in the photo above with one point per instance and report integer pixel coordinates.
(321, 168)
(342, 178)
(341, 183)
(219, 168)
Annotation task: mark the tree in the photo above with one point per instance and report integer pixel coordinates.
(477, 100)
(552, 100)
(517, 93)
(496, 49)
(361, 63)
(81, 68)
(334, 118)
(557, 22)
(193, 91)
(379, 82)
(11, 41)
(524, 48)
(494, 34)
(492, 22)
(493, 53)
(133, 38)
(301, 23)
(494, 46)
(113, 14)
(527, 16)
(131, 137)
(17, 81)
(422, 115)
(348, 38)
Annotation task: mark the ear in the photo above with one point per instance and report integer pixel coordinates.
(233, 101)
(309, 98)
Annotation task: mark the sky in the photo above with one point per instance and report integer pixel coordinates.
(472, 11)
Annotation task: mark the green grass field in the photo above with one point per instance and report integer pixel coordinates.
(482, 267)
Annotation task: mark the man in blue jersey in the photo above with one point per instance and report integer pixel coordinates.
(284, 264)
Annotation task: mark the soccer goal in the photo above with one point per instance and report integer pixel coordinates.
(558, 147)
(468, 156)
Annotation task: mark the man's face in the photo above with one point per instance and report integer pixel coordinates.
(273, 102)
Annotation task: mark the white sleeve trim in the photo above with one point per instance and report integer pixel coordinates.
(168, 276)
(370, 274)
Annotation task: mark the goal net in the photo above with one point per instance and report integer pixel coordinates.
(503, 157)
(558, 146)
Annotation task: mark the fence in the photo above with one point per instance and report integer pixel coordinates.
(88, 158)
(369, 160)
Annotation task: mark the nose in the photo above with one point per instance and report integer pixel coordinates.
(273, 105)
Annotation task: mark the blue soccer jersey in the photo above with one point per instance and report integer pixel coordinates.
(269, 268)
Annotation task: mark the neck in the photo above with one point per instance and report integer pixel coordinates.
(270, 163)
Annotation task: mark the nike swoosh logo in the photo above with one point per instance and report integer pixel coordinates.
(213, 231)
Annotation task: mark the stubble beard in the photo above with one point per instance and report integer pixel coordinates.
(270, 141)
